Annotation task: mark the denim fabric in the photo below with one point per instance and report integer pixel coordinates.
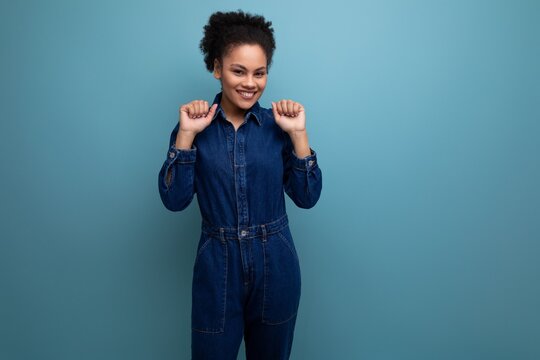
(246, 273)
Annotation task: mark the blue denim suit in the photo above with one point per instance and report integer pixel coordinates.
(246, 273)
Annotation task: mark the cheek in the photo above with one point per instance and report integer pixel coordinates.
(229, 79)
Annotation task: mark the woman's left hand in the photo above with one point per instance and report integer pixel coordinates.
(289, 115)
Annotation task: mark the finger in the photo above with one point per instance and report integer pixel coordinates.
(205, 107)
(290, 107)
(191, 110)
(280, 107)
(212, 110)
(275, 110)
(296, 108)
(283, 107)
(202, 108)
(286, 107)
(198, 108)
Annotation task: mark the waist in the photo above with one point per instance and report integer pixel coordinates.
(245, 232)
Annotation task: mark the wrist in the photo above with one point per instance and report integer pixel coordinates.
(298, 134)
(300, 143)
(184, 139)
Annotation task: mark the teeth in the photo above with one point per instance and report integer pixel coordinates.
(246, 94)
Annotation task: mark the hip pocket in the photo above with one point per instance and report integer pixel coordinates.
(282, 278)
(209, 286)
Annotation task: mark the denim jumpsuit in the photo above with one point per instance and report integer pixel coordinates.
(246, 272)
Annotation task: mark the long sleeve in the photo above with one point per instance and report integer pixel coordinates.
(176, 180)
(302, 177)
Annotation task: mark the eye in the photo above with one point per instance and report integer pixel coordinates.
(259, 74)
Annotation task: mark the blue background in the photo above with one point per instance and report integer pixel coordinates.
(425, 118)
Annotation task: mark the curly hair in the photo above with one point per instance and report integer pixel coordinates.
(225, 30)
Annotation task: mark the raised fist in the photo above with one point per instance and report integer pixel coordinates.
(290, 115)
(196, 116)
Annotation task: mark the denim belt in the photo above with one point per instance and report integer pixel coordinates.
(245, 232)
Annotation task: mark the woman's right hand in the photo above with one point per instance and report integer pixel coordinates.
(196, 116)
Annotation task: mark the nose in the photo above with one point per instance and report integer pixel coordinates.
(249, 83)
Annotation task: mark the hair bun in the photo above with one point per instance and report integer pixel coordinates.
(226, 29)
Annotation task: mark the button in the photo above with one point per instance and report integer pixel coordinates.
(243, 233)
(171, 154)
(310, 162)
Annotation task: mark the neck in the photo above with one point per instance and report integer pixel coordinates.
(231, 111)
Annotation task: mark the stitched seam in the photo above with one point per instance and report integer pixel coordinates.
(203, 246)
(307, 167)
(219, 330)
(287, 243)
(264, 288)
(283, 321)
(225, 286)
(215, 232)
(265, 281)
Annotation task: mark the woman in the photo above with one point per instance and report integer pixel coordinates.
(239, 158)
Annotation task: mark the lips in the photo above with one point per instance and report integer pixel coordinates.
(246, 95)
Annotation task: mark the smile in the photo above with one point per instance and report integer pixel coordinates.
(246, 95)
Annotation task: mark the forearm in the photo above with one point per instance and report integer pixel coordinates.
(184, 140)
(302, 176)
(176, 178)
(300, 143)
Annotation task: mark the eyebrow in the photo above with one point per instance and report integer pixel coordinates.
(243, 67)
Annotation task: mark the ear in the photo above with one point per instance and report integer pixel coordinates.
(217, 69)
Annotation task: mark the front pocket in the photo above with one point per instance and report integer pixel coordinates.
(209, 287)
(286, 237)
(282, 283)
(203, 242)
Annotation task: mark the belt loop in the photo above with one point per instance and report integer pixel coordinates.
(264, 232)
(221, 231)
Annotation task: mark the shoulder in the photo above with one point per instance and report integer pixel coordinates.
(270, 125)
(266, 112)
(268, 119)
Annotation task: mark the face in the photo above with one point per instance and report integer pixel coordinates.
(243, 78)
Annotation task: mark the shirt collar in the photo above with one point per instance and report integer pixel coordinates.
(254, 110)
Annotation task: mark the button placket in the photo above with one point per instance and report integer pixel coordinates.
(240, 179)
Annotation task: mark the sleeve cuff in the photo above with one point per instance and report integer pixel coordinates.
(307, 163)
(183, 156)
